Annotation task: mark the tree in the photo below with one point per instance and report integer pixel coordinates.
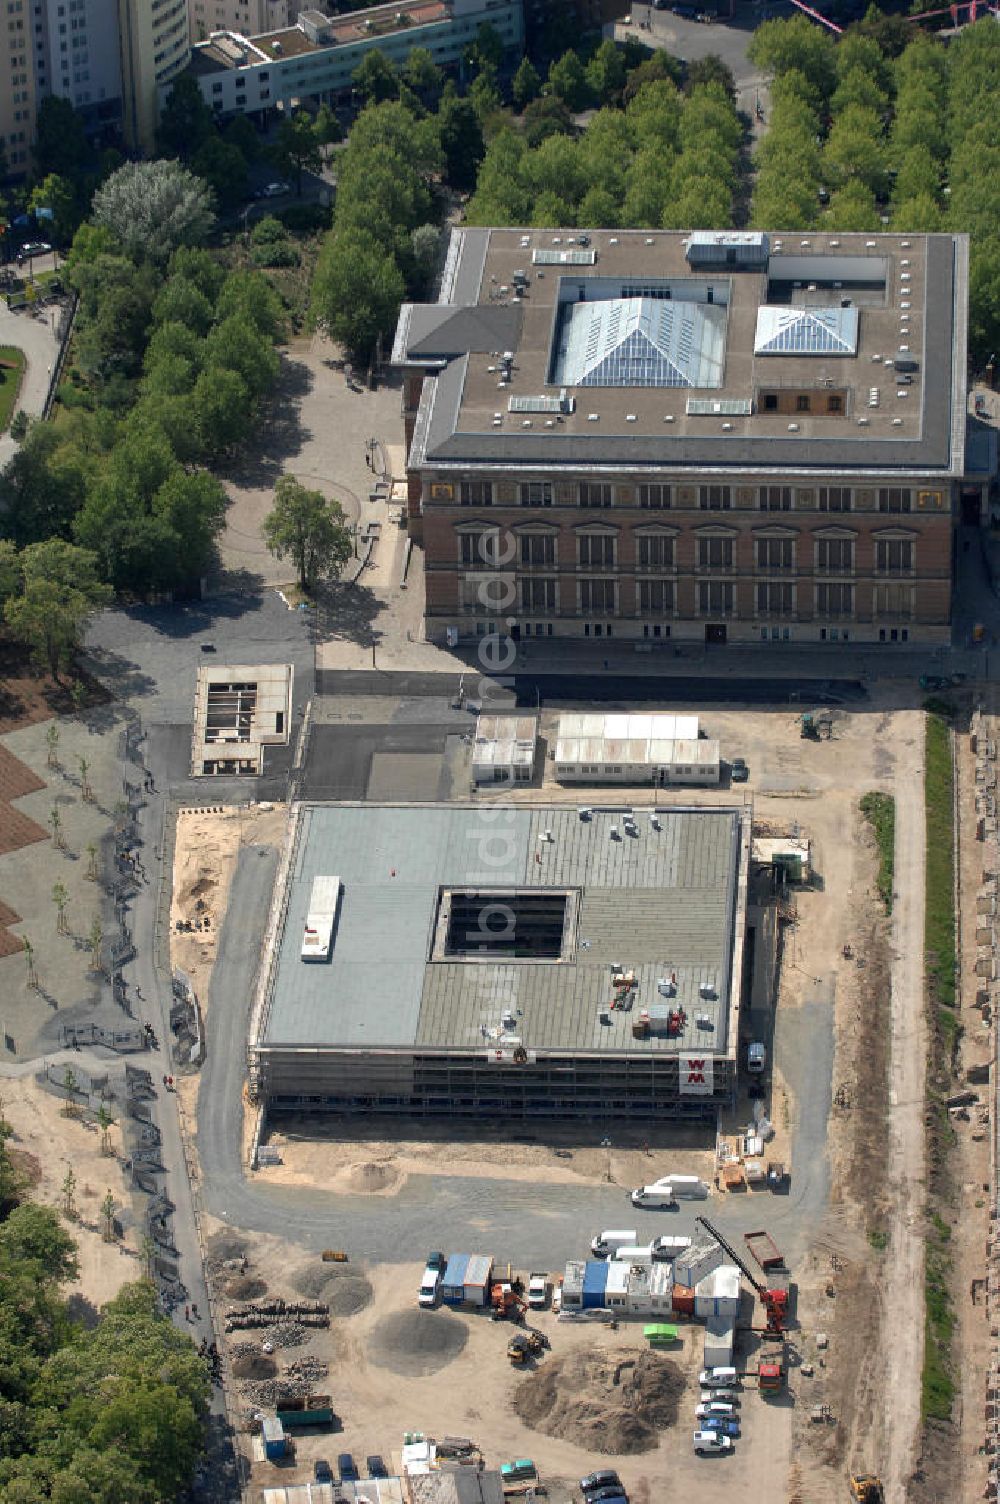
(376, 77)
(527, 83)
(57, 196)
(222, 407)
(186, 122)
(50, 614)
(422, 74)
(357, 290)
(606, 73)
(224, 168)
(55, 824)
(777, 46)
(151, 208)
(91, 862)
(95, 941)
(236, 345)
(10, 570)
(41, 490)
(307, 528)
(181, 301)
(568, 82)
(33, 1234)
(544, 117)
(86, 791)
(70, 1086)
(12, 1179)
(108, 1214)
(61, 144)
(52, 744)
(105, 1123)
(711, 70)
(60, 897)
(297, 148)
(426, 243)
(252, 297)
(461, 142)
(326, 127)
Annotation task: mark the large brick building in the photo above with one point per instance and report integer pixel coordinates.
(714, 436)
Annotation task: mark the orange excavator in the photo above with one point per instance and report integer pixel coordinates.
(506, 1302)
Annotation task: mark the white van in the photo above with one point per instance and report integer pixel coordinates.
(611, 1239)
(429, 1285)
(668, 1247)
(653, 1196)
(692, 1187)
(716, 1378)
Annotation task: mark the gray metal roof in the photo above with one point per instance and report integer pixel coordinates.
(660, 902)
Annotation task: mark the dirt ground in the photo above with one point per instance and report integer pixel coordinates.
(395, 1368)
(53, 1144)
(333, 1155)
(848, 1291)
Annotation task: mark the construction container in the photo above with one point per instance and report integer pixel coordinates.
(476, 1281)
(637, 1254)
(595, 1282)
(720, 1333)
(617, 1285)
(682, 1300)
(718, 1294)
(273, 1433)
(572, 1288)
(696, 1262)
(453, 1284)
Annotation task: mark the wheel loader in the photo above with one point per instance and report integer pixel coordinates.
(866, 1488)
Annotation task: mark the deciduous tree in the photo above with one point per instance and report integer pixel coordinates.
(308, 529)
(151, 208)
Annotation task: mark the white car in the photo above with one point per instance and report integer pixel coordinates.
(538, 1290)
(707, 1442)
(429, 1287)
(727, 1396)
(715, 1378)
(713, 1407)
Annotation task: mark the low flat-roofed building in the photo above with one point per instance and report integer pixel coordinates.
(473, 967)
(315, 59)
(633, 748)
(239, 709)
(712, 436)
(504, 748)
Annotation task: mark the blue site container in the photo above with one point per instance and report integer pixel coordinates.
(274, 1438)
(453, 1284)
(595, 1282)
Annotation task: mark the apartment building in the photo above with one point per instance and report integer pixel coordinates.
(155, 49)
(316, 58)
(76, 55)
(17, 86)
(247, 18)
(706, 436)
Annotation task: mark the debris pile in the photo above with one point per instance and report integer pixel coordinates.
(274, 1313)
(615, 1401)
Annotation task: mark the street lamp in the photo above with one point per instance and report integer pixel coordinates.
(606, 1144)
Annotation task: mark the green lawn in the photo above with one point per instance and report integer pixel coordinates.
(880, 812)
(12, 364)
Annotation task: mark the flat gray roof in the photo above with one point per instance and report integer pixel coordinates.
(662, 901)
(907, 293)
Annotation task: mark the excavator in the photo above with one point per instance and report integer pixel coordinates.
(774, 1299)
(866, 1488)
(507, 1302)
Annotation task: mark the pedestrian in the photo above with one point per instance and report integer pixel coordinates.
(187, 1313)
(165, 1081)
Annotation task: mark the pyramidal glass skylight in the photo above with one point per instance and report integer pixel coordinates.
(806, 331)
(642, 342)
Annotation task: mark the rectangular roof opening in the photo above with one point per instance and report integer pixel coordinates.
(484, 924)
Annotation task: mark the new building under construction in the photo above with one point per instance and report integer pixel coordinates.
(516, 962)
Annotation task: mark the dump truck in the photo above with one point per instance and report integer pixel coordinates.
(308, 1410)
(764, 1249)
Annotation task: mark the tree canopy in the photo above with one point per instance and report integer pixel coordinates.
(151, 208)
(308, 529)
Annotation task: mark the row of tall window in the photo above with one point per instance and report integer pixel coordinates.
(771, 598)
(658, 551)
(662, 496)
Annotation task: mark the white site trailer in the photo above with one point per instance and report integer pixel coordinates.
(654, 747)
(317, 937)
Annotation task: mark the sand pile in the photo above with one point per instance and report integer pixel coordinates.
(416, 1342)
(614, 1402)
(345, 1290)
(372, 1177)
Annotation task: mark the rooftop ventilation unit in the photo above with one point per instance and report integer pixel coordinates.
(714, 407)
(727, 428)
(543, 403)
(863, 422)
(897, 422)
(541, 257)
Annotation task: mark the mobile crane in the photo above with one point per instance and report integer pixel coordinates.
(774, 1299)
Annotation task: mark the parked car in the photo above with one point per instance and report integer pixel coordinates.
(605, 1495)
(686, 12)
(347, 1468)
(523, 1467)
(273, 190)
(322, 1471)
(605, 1477)
(713, 1407)
(33, 248)
(716, 1378)
(738, 770)
(430, 1284)
(727, 1396)
(710, 1443)
(721, 1425)
(376, 1467)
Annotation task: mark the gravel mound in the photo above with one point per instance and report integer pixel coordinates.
(223, 1247)
(373, 1177)
(416, 1342)
(345, 1290)
(613, 1402)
